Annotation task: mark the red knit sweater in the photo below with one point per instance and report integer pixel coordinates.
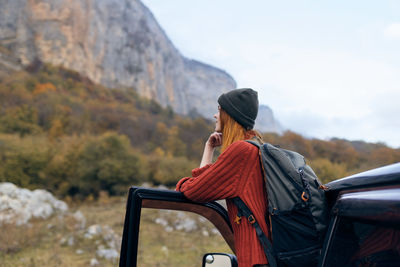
(237, 172)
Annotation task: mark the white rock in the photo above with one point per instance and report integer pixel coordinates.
(24, 195)
(63, 241)
(6, 218)
(42, 195)
(165, 250)
(146, 184)
(92, 231)
(108, 254)
(163, 187)
(202, 219)
(87, 236)
(215, 231)
(13, 204)
(161, 221)
(94, 262)
(112, 239)
(80, 219)
(7, 189)
(19, 205)
(60, 206)
(181, 215)
(39, 209)
(79, 251)
(71, 241)
(187, 225)
(205, 233)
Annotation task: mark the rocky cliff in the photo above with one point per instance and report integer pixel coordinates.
(266, 121)
(117, 43)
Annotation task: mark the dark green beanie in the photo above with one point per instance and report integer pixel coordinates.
(241, 105)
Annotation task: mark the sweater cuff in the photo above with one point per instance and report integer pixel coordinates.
(180, 183)
(196, 172)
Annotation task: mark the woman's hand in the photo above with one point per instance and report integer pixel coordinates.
(214, 140)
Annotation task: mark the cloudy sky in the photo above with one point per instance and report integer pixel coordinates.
(326, 68)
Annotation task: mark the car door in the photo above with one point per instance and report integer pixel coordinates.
(365, 220)
(365, 229)
(141, 199)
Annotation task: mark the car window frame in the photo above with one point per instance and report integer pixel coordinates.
(139, 197)
(348, 205)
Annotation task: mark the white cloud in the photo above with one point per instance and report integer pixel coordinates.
(393, 31)
(321, 78)
(324, 93)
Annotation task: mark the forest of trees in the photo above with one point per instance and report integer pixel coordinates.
(61, 132)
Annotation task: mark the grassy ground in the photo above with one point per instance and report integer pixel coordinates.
(41, 242)
(158, 247)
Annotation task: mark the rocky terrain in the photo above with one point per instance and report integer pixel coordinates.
(20, 206)
(40, 230)
(117, 43)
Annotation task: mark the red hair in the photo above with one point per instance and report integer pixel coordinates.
(232, 131)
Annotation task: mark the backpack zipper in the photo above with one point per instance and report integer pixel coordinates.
(306, 185)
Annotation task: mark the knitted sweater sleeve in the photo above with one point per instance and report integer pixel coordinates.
(196, 172)
(220, 180)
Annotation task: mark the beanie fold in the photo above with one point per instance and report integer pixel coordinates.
(241, 105)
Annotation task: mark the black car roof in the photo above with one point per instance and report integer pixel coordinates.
(387, 175)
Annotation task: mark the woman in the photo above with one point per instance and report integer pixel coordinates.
(236, 173)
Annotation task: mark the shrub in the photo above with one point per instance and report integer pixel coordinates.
(23, 160)
(168, 170)
(106, 162)
(22, 120)
(328, 171)
(76, 166)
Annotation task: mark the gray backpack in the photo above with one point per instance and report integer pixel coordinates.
(297, 208)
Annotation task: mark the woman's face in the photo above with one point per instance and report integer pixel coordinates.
(218, 120)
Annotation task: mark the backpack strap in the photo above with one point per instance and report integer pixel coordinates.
(255, 141)
(243, 210)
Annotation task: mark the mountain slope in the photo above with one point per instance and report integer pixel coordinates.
(117, 43)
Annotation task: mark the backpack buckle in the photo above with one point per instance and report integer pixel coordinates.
(251, 219)
(237, 219)
(323, 187)
(305, 197)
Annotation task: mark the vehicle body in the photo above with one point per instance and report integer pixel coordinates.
(364, 219)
